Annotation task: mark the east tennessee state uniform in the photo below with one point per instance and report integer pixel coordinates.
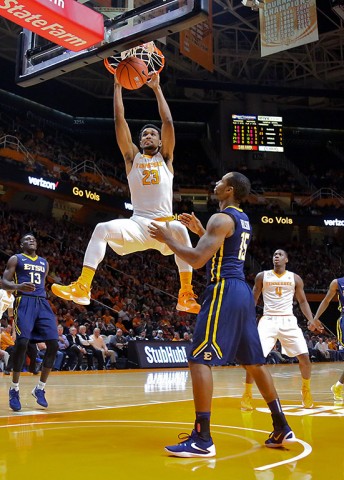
(226, 329)
(340, 322)
(33, 316)
(278, 320)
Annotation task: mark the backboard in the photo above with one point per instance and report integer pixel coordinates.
(125, 26)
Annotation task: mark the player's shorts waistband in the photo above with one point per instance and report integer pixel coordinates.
(30, 296)
(167, 219)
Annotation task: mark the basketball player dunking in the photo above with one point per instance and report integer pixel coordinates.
(279, 323)
(150, 177)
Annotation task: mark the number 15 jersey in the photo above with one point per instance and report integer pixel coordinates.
(32, 269)
(278, 292)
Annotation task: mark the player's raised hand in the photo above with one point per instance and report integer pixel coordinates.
(192, 223)
(160, 231)
(154, 81)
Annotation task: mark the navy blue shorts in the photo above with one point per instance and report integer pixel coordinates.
(34, 319)
(226, 328)
(340, 329)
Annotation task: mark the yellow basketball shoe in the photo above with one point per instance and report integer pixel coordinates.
(307, 400)
(76, 292)
(337, 391)
(246, 403)
(186, 300)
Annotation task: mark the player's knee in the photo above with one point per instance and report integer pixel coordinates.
(180, 232)
(50, 354)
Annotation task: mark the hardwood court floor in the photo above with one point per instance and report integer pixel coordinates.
(115, 425)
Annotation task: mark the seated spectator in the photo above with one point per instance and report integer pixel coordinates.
(75, 350)
(119, 344)
(42, 348)
(63, 346)
(322, 348)
(91, 352)
(97, 341)
(159, 336)
(7, 344)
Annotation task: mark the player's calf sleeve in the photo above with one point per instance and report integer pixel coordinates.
(50, 354)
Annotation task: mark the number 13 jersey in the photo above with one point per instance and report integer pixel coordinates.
(32, 269)
(278, 292)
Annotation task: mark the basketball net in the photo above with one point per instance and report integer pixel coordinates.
(148, 52)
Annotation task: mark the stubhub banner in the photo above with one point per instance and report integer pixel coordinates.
(157, 354)
(65, 22)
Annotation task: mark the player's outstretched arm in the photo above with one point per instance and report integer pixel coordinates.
(300, 295)
(167, 128)
(332, 290)
(123, 134)
(219, 227)
(192, 223)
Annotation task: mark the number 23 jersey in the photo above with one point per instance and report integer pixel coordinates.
(32, 269)
(150, 182)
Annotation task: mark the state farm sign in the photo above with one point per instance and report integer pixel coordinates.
(65, 22)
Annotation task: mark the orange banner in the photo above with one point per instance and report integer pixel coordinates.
(64, 22)
(196, 43)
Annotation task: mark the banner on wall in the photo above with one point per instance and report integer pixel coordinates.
(287, 24)
(196, 43)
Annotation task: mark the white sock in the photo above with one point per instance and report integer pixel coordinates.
(41, 385)
(14, 386)
(338, 384)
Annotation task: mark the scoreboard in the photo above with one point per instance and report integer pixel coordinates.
(261, 133)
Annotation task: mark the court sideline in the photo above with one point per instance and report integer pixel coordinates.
(117, 423)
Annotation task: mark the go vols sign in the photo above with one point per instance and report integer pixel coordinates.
(65, 22)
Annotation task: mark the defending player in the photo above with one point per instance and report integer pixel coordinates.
(336, 287)
(279, 323)
(150, 178)
(34, 320)
(226, 325)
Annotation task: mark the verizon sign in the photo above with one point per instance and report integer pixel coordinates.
(65, 22)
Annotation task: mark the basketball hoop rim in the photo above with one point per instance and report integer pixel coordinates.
(132, 51)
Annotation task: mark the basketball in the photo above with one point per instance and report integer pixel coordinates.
(132, 73)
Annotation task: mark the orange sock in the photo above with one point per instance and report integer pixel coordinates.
(185, 279)
(86, 276)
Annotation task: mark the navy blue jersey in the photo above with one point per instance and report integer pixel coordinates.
(340, 282)
(228, 261)
(34, 270)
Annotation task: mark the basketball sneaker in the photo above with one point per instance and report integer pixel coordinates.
(76, 292)
(307, 400)
(39, 395)
(337, 391)
(192, 446)
(14, 400)
(186, 300)
(280, 437)
(246, 403)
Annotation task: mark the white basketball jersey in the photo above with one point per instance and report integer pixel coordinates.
(150, 183)
(6, 301)
(278, 293)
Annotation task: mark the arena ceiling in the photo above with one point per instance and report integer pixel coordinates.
(311, 75)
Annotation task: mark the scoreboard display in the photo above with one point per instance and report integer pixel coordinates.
(261, 133)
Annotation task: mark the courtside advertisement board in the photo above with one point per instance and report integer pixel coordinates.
(155, 354)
